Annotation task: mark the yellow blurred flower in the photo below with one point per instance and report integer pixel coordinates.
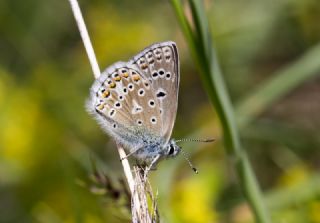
(314, 212)
(19, 118)
(294, 175)
(194, 197)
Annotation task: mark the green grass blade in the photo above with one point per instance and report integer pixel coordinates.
(213, 81)
(186, 28)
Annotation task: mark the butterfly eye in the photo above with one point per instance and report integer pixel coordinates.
(171, 150)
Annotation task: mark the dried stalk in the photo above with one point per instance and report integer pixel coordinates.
(139, 188)
(141, 191)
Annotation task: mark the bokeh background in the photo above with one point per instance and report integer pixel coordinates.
(49, 145)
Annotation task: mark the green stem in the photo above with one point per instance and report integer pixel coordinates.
(205, 56)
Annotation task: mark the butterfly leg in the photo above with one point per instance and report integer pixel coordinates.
(129, 154)
(152, 164)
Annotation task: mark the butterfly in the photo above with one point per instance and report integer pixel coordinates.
(136, 102)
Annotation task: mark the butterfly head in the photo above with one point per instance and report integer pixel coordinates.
(172, 149)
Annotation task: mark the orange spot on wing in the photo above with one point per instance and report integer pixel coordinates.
(125, 75)
(101, 106)
(106, 94)
(136, 77)
(112, 85)
(117, 78)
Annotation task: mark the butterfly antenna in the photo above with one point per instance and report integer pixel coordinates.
(190, 164)
(195, 140)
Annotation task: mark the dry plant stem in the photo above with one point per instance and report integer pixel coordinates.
(141, 190)
(85, 37)
(131, 182)
(140, 212)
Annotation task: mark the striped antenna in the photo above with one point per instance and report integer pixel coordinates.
(185, 155)
(190, 164)
(195, 140)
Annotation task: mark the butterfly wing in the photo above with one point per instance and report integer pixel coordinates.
(123, 102)
(159, 63)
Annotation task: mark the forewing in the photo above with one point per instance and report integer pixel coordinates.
(159, 63)
(123, 102)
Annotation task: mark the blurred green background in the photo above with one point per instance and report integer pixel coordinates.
(47, 139)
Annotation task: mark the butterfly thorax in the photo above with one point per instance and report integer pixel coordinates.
(151, 149)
